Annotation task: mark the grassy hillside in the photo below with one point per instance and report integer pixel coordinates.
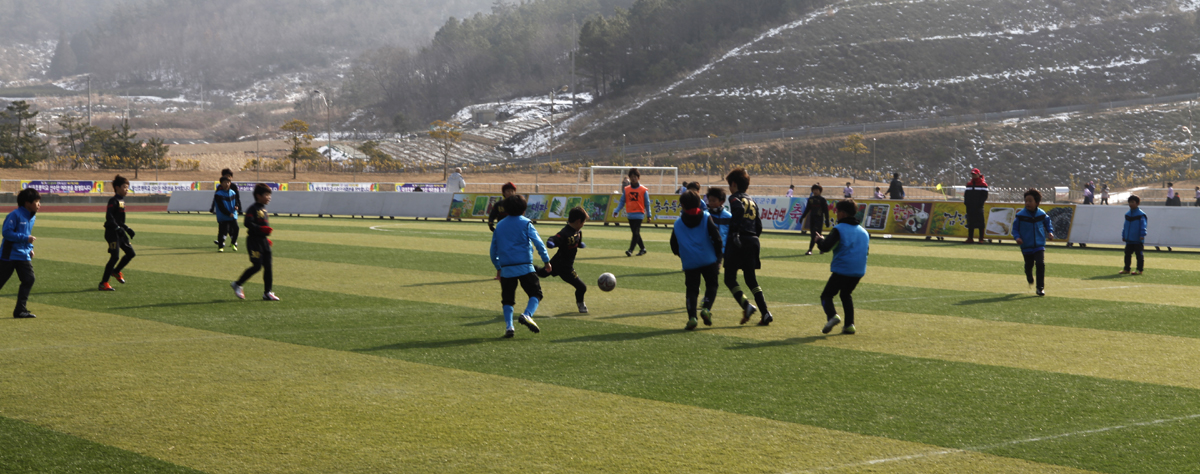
(865, 61)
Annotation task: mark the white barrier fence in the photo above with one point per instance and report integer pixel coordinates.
(1168, 226)
(427, 205)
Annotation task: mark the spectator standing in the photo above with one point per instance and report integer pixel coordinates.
(1089, 193)
(847, 192)
(895, 188)
(1104, 194)
(792, 189)
(455, 183)
(975, 197)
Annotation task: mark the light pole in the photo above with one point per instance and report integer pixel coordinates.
(328, 128)
(257, 156)
(791, 161)
(873, 166)
(156, 157)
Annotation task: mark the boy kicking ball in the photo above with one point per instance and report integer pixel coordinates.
(117, 234)
(850, 245)
(568, 241)
(697, 242)
(257, 242)
(1032, 228)
(511, 255)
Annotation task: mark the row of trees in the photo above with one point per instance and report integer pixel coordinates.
(79, 144)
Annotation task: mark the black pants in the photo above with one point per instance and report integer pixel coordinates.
(568, 275)
(751, 281)
(691, 279)
(1104, 201)
(24, 271)
(971, 233)
(635, 226)
(812, 239)
(259, 261)
(844, 285)
(529, 282)
(229, 228)
(1037, 259)
(1130, 249)
(115, 247)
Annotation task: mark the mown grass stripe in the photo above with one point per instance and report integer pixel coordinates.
(34, 449)
(236, 404)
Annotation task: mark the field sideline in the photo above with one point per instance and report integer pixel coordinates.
(385, 356)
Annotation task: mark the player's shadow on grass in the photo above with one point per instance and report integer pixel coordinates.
(651, 313)
(795, 341)
(1106, 277)
(621, 336)
(71, 292)
(471, 341)
(171, 305)
(998, 299)
(442, 283)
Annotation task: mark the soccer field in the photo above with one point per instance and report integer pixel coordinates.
(385, 355)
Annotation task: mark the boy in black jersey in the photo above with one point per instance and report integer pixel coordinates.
(508, 190)
(568, 241)
(117, 234)
(741, 247)
(258, 229)
(237, 197)
(817, 212)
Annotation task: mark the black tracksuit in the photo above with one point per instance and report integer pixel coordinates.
(974, 198)
(258, 246)
(117, 234)
(568, 241)
(742, 248)
(817, 211)
(496, 214)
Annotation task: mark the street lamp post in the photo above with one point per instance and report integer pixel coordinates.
(328, 128)
(873, 165)
(257, 155)
(156, 157)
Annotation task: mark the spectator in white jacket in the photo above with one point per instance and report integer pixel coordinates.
(455, 183)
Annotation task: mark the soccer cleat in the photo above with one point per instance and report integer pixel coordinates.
(1041, 292)
(235, 247)
(747, 312)
(1123, 272)
(509, 333)
(691, 325)
(848, 329)
(221, 249)
(24, 315)
(217, 242)
(582, 308)
(808, 252)
(237, 290)
(628, 253)
(121, 278)
(528, 322)
(766, 319)
(1139, 272)
(834, 321)
(106, 287)
(270, 296)
(643, 252)
(706, 316)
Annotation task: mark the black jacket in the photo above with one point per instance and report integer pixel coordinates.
(896, 189)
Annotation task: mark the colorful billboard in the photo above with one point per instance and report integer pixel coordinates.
(64, 187)
(541, 207)
(343, 187)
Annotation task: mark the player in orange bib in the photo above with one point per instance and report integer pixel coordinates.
(635, 199)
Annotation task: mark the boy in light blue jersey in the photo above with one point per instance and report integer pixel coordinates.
(16, 253)
(226, 208)
(850, 244)
(697, 242)
(512, 256)
(720, 215)
(1134, 234)
(1032, 228)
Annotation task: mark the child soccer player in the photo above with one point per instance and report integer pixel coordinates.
(817, 212)
(635, 198)
(16, 254)
(568, 241)
(1134, 234)
(697, 242)
(716, 210)
(1032, 228)
(850, 245)
(258, 229)
(226, 211)
(694, 186)
(237, 197)
(507, 190)
(847, 192)
(511, 255)
(741, 247)
(117, 234)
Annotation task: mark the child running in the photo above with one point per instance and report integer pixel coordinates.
(635, 199)
(697, 242)
(568, 241)
(1134, 235)
(227, 214)
(237, 196)
(817, 212)
(16, 254)
(1032, 228)
(742, 247)
(850, 245)
(117, 234)
(511, 255)
(258, 229)
(716, 210)
(507, 190)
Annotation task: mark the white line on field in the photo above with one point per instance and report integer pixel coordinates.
(1007, 443)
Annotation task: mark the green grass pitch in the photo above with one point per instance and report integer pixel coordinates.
(385, 355)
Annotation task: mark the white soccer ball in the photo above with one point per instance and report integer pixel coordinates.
(607, 282)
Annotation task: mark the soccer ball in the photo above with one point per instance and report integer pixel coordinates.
(607, 282)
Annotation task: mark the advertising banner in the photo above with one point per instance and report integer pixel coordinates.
(664, 207)
(541, 207)
(472, 206)
(780, 213)
(248, 186)
(161, 187)
(64, 187)
(424, 188)
(949, 219)
(342, 187)
(895, 217)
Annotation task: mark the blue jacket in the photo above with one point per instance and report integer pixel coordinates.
(18, 226)
(1136, 223)
(853, 244)
(225, 205)
(722, 220)
(511, 252)
(696, 240)
(1032, 228)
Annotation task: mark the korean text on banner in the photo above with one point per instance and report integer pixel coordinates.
(64, 187)
(342, 187)
(424, 187)
(248, 186)
(161, 187)
(779, 212)
(665, 207)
